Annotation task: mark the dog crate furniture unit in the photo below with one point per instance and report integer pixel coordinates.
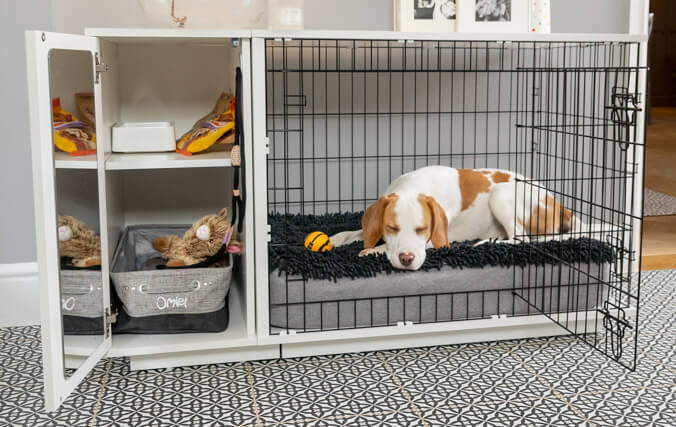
(330, 118)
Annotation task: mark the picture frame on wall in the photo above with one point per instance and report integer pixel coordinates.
(493, 16)
(425, 15)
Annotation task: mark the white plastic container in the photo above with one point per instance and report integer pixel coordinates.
(285, 14)
(143, 137)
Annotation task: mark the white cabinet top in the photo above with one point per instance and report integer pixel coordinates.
(450, 36)
(121, 35)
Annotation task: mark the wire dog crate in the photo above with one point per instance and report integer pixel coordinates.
(346, 117)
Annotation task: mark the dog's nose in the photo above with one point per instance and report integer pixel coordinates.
(406, 258)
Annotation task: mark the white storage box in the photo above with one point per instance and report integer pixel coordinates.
(143, 137)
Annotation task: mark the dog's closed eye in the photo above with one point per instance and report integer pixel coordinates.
(392, 229)
(421, 230)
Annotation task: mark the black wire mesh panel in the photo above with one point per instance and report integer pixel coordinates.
(584, 172)
(346, 117)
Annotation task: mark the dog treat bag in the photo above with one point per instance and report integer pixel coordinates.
(70, 134)
(211, 128)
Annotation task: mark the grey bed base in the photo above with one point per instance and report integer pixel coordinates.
(433, 296)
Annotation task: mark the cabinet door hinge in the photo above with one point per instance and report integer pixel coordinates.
(101, 67)
(110, 317)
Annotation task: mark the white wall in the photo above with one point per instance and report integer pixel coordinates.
(590, 16)
(17, 239)
(568, 16)
(72, 16)
(17, 235)
(18, 284)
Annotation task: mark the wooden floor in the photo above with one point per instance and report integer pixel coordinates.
(659, 232)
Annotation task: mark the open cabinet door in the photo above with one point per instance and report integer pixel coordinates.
(74, 291)
(579, 206)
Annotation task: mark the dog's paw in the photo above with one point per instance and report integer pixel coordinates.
(494, 241)
(482, 242)
(340, 239)
(336, 240)
(369, 251)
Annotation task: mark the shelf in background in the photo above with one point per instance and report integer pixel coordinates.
(168, 160)
(66, 161)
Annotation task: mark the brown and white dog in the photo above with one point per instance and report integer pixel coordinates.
(435, 205)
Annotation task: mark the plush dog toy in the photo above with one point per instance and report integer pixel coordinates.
(80, 245)
(201, 241)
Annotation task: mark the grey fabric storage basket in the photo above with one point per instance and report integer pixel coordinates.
(81, 293)
(149, 293)
(81, 301)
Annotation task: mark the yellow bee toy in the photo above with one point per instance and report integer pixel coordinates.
(317, 242)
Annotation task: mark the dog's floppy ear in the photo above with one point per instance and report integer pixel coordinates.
(438, 223)
(372, 220)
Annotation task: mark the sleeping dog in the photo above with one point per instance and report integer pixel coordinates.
(436, 204)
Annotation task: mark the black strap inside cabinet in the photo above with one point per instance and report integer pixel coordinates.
(238, 195)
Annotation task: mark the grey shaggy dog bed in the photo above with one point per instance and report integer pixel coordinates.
(338, 289)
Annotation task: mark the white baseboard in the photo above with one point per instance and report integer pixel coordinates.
(19, 294)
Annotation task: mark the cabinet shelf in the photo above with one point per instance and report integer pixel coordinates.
(236, 335)
(146, 344)
(66, 161)
(167, 160)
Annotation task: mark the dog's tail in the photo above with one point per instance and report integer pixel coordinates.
(568, 221)
(549, 218)
(596, 230)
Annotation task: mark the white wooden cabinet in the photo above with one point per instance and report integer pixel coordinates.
(138, 75)
(176, 75)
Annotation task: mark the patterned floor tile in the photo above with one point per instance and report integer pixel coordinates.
(21, 391)
(572, 367)
(463, 375)
(196, 395)
(630, 407)
(340, 385)
(531, 412)
(394, 419)
(657, 316)
(391, 418)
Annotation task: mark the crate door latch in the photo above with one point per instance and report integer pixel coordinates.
(110, 318)
(101, 67)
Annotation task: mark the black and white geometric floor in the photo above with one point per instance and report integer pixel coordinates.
(548, 381)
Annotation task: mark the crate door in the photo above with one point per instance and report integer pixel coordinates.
(578, 201)
(74, 294)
